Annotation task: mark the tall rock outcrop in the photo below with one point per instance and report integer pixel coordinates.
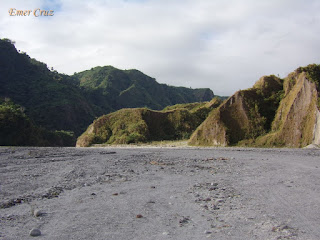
(245, 115)
(296, 122)
(272, 113)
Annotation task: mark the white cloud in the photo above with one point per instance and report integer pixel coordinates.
(224, 45)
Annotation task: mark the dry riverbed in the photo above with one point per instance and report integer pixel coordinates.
(159, 193)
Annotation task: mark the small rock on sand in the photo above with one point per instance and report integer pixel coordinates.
(35, 232)
(37, 213)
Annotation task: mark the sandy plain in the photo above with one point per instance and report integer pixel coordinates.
(159, 193)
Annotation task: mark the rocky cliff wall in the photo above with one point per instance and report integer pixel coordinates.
(236, 119)
(274, 112)
(296, 121)
(243, 116)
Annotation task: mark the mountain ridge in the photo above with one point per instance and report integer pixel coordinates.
(275, 112)
(135, 89)
(61, 102)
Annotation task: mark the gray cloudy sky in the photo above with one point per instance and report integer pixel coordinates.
(225, 45)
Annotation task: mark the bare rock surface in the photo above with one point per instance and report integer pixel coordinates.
(160, 193)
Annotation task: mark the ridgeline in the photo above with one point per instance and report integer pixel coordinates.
(275, 112)
(55, 101)
(41, 107)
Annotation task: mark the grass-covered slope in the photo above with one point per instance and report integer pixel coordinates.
(193, 107)
(143, 125)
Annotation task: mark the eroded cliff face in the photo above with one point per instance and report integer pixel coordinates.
(296, 122)
(272, 113)
(316, 129)
(236, 119)
(242, 116)
(136, 125)
(212, 132)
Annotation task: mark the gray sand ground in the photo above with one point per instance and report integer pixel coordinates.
(160, 193)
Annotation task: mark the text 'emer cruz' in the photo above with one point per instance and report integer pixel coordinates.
(36, 12)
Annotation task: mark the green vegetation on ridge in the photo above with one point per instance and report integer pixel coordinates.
(56, 101)
(144, 125)
(47, 107)
(49, 98)
(112, 89)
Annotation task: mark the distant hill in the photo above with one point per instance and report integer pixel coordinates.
(60, 102)
(112, 89)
